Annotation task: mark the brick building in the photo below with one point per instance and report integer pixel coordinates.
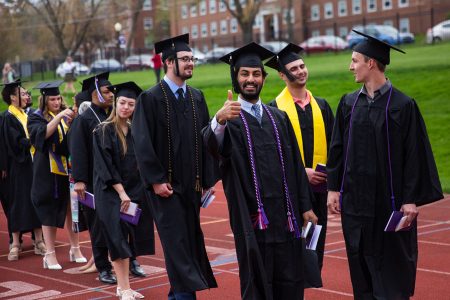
(211, 25)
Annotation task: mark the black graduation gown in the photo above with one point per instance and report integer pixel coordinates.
(177, 218)
(50, 192)
(307, 127)
(390, 259)
(3, 167)
(240, 193)
(111, 167)
(22, 214)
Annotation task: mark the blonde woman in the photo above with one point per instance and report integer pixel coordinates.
(48, 127)
(117, 184)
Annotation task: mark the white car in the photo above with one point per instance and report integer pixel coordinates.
(80, 69)
(440, 32)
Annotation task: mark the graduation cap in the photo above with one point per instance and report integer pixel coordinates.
(171, 46)
(94, 83)
(250, 55)
(9, 89)
(287, 55)
(374, 48)
(49, 88)
(127, 89)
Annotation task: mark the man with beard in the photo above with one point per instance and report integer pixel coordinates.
(380, 162)
(174, 168)
(81, 151)
(312, 120)
(265, 183)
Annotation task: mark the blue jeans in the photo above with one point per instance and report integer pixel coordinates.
(181, 296)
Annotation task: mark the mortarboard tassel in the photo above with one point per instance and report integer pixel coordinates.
(198, 187)
(261, 220)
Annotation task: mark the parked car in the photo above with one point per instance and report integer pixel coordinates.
(324, 43)
(138, 62)
(213, 55)
(104, 65)
(275, 46)
(200, 55)
(439, 32)
(385, 33)
(80, 69)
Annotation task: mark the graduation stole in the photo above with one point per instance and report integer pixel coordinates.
(58, 163)
(260, 221)
(285, 102)
(22, 117)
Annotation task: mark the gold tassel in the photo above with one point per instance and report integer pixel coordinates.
(170, 176)
(198, 187)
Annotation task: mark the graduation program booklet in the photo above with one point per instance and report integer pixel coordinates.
(321, 187)
(132, 208)
(397, 222)
(207, 198)
(311, 235)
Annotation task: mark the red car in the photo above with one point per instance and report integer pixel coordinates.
(324, 43)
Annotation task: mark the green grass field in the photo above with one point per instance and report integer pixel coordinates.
(423, 73)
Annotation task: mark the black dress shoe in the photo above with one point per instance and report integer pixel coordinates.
(107, 277)
(136, 269)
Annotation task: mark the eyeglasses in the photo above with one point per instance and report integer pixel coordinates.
(187, 59)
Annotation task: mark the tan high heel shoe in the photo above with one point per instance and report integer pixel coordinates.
(72, 258)
(39, 248)
(136, 295)
(50, 267)
(14, 253)
(127, 294)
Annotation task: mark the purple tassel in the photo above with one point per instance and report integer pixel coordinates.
(260, 220)
(297, 230)
(289, 221)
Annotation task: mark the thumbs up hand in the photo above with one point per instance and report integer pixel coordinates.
(230, 110)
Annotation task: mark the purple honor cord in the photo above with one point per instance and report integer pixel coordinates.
(388, 149)
(261, 221)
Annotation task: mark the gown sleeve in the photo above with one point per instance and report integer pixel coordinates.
(336, 151)
(104, 152)
(17, 144)
(79, 149)
(3, 154)
(144, 132)
(37, 127)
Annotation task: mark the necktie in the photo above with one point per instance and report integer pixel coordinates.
(257, 111)
(180, 95)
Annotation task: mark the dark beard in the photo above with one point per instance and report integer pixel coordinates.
(251, 96)
(185, 77)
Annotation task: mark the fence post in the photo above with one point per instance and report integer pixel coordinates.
(432, 22)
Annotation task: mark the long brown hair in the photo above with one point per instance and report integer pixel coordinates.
(44, 109)
(113, 120)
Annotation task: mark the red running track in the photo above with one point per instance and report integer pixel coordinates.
(26, 279)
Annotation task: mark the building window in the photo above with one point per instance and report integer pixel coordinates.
(233, 25)
(403, 3)
(315, 33)
(148, 23)
(147, 5)
(258, 21)
(184, 11)
(387, 4)
(285, 15)
(404, 25)
(203, 8)
(356, 7)
(328, 10)
(371, 5)
(204, 30)
(222, 6)
(343, 31)
(342, 7)
(329, 31)
(212, 6)
(388, 22)
(223, 27)
(184, 30)
(315, 12)
(194, 31)
(232, 5)
(213, 28)
(193, 10)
